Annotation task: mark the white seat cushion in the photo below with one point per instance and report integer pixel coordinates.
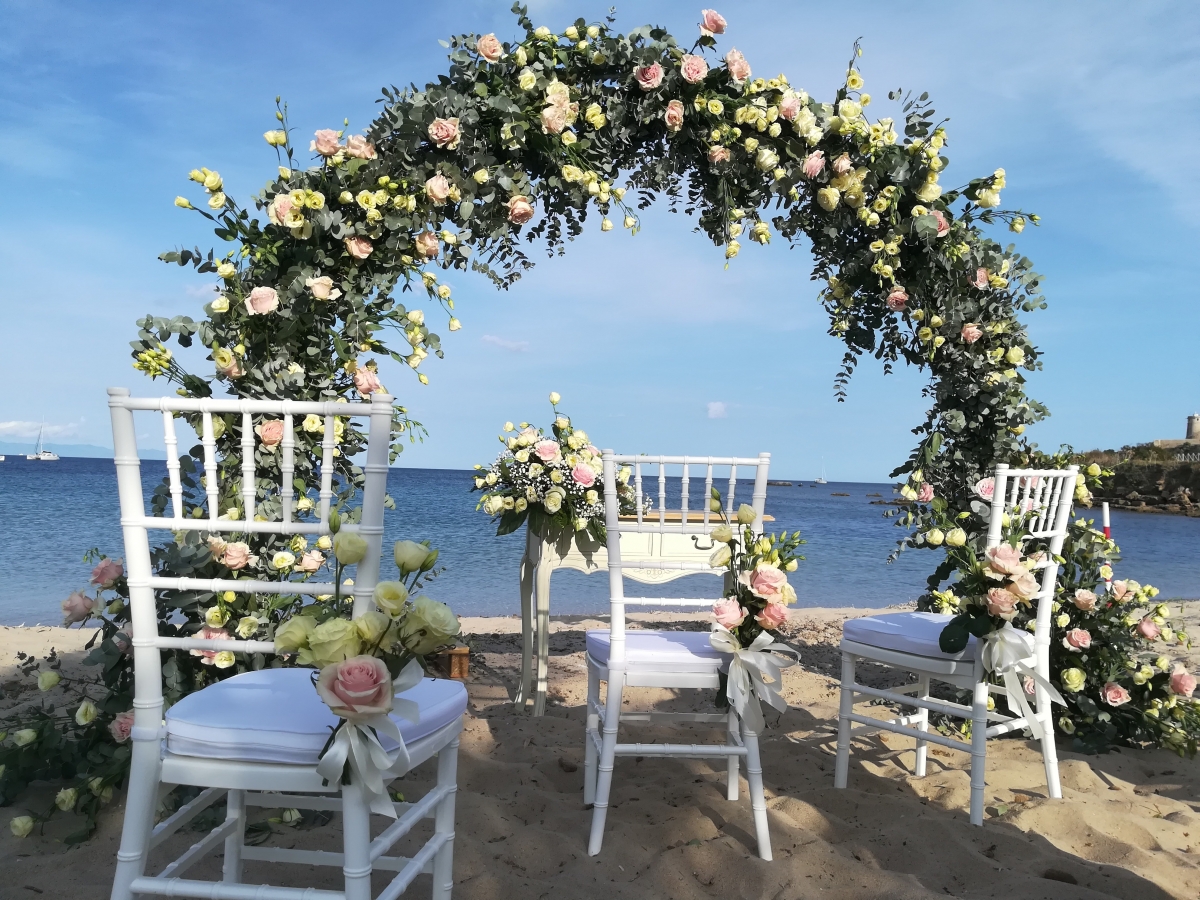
(275, 716)
(661, 651)
(906, 632)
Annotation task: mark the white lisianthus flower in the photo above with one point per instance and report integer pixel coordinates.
(86, 714)
(720, 556)
(283, 560)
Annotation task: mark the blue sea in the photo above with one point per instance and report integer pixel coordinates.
(52, 512)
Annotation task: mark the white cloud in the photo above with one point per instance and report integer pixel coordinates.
(203, 291)
(31, 429)
(716, 409)
(505, 344)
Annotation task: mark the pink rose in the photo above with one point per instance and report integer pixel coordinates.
(279, 208)
(489, 48)
(1024, 585)
(366, 381)
(359, 147)
(554, 119)
(842, 164)
(767, 581)
(1001, 603)
(270, 432)
(693, 68)
(943, 224)
(427, 244)
(1029, 686)
(897, 299)
(729, 613)
(208, 633)
(1119, 589)
(648, 77)
(121, 726)
(326, 142)
(237, 555)
(445, 133)
(77, 607)
(547, 451)
(261, 301)
(359, 247)
(1084, 600)
(789, 108)
(1004, 560)
(357, 687)
(925, 492)
(233, 370)
(674, 115)
(711, 22)
(739, 69)
(1077, 639)
(1148, 629)
(107, 571)
(971, 332)
(311, 561)
(520, 210)
(772, 616)
(437, 189)
(1113, 694)
(583, 474)
(718, 154)
(981, 279)
(1183, 683)
(814, 163)
(985, 487)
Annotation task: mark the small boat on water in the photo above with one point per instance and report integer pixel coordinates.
(822, 480)
(41, 454)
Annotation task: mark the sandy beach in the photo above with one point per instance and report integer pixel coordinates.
(1127, 827)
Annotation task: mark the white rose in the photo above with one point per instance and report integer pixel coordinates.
(553, 501)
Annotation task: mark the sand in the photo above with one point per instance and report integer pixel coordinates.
(1128, 825)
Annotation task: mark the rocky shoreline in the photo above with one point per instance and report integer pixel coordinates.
(1171, 488)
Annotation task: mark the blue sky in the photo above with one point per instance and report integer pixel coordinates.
(1091, 108)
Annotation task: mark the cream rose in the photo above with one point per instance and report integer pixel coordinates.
(322, 288)
(409, 556)
(261, 301)
(349, 548)
(429, 626)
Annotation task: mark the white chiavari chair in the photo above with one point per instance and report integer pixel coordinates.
(663, 659)
(262, 731)
(909, 642)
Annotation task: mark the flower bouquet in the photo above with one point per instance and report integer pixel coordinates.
(753, 607)
(552, 481)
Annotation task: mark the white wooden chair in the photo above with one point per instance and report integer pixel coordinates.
(663, 659)
(264, 730)
(909, 641)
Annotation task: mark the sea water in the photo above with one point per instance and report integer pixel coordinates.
(52, 512)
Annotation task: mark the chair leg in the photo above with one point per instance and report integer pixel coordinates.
(922, 725)
(608, 755)
(978, 750)
(443, 862)
(356, 842)
(758, 802)
(542, 593)
(841, 769)
(231, 868)
(140, 805)
(731, 765)
(527, 636)
(1049, 750)
(590, 755)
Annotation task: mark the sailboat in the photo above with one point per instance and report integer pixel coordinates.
(41, 454)
(822, 480)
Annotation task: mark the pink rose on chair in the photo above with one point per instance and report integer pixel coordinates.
(326, 142)
(208, 633)
(693, 68)
(547, 451)
(772, 616)
(1113, 694)
(237, 555)
(261, 301)
(814, 163)
(1148, 629)
(584, 475)
(648, 77)
(1001, 603)
(711, 22)
(520, 210)
(1077, 639)
(311, 561)
(490, 48)
(270, 432)
(359, 247)
(674, 115)
(739, 69)
(766, 581)
(77, 607)
(107, 571)
(121, 726)
(1004, 561)
(925, 492)
(1024, 585)
(437, 189)
(985, 487)
(357, 687)
(366, 380)
(445, 133)
(789, 108)
(718, 154)
(728, 612)
(1084, 600)
(943, 224)
(897, 299)
(971, 332)
(981, 278)
(1182, 682)
(359, 147)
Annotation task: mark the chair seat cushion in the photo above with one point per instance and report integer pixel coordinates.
(906, 632)
(275, 716)
(660, 651)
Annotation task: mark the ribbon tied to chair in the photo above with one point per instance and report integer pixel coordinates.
(1005, 653)
(356, 741)
(755, 673)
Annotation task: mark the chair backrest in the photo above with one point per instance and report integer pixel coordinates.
(136, 523)
(697, 521)
(1045, 497)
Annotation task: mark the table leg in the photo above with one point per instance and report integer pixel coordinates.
(542, 595)
(527, 623)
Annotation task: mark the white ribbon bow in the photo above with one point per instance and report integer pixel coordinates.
(1005, 652)
(357, 740)
(755, 673)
